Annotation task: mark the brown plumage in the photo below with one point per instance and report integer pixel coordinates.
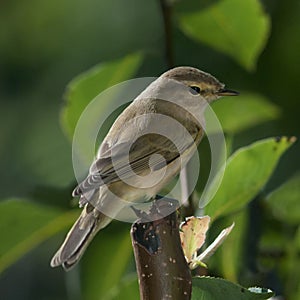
(189, 87)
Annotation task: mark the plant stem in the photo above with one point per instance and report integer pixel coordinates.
(166, 8)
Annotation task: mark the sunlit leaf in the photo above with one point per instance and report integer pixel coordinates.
(247, 171)
(210, 288)
(88, 85)
(211, 249)
(245, 111)
(237, 28)
(24, 225)
(284, 201)
(192, 235)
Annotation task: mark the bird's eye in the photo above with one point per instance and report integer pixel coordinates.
(195, 90)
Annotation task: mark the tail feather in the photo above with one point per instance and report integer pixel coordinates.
(79, 237)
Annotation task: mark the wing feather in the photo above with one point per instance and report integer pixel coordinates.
(140, 160)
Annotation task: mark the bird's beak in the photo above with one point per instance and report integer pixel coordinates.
(226, 92)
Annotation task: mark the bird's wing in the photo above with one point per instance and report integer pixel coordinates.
(132, 142)
(123, 159)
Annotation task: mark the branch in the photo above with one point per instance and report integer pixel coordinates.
(166, 8)
(161, 266)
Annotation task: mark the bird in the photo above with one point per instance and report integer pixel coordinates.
(164, 131)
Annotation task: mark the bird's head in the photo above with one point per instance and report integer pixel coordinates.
(199, 83)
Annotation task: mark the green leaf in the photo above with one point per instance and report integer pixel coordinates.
(246, 173)
(88, 85)
(24, 225)
(297, 239)
(245, 111)
(105, 262)
(128, 289)
(284, 201)
(210, 288)
(237, 28)
(231, 252)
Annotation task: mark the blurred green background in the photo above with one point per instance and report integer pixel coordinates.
(45, 44)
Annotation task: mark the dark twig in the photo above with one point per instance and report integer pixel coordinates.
(162, 269)
(166, 7)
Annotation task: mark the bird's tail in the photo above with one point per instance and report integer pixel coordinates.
(79, 237)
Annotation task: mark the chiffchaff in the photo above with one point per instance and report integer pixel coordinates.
(131, 157)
